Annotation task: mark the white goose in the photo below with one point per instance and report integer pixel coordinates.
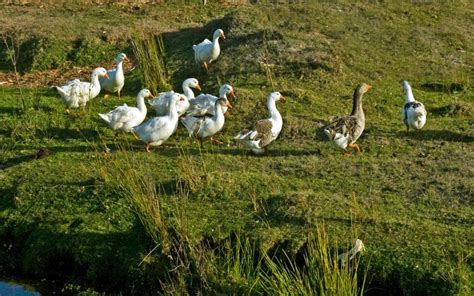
(264, 131)
(207, 126)
(158, 129)
(124, 118)
(161, 102)
(413, 112)
(204, 103)
(207, 51)
(116, 80)
(76, 93)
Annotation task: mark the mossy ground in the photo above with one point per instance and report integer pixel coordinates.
(409, 197)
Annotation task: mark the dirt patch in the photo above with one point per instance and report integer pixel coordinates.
(55, 77)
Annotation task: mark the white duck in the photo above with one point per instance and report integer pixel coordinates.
(344, 131)
(158, 129)
(207, 126)
(207, 51)
(161, 102)
(76, 93)
(264, 131)
(204, 103)
(413, 112)
(116, 80)
(124, 118)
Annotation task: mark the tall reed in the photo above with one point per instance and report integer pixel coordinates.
(321, 273)
(150, 52)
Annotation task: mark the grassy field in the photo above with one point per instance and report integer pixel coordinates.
(180, 219)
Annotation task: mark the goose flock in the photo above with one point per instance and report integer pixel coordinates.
(203, 115)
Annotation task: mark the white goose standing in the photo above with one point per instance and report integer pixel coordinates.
(77, 93)
(161, 102)
(207, 51)
(207, 126)
(264, 131)
(116, 80)
(413, 112)
(204, 103)
(124, 118)
(158, 129)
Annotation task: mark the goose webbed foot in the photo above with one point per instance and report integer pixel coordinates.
(356, 147)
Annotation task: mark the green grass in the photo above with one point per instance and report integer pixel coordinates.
(79, 215)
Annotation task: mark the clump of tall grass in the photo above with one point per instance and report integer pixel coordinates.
(192, 173)
(321, 273)
(139, 189)
(150, 52)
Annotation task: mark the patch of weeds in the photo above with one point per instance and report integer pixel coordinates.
(42, 53)
(454, 109)
(89, 51)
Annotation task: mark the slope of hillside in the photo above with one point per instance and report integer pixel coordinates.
(72, 216)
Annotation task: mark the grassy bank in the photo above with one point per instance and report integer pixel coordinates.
(172, 220)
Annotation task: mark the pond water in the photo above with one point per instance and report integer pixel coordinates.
(11, 288)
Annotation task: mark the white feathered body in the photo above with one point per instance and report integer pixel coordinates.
(125, 118)
(206, 51)
(116, 79)
(413, 112)
(77, 93)
(264, 132)
(204, 104)
(162, 101)
(205, 127)
(158, 129)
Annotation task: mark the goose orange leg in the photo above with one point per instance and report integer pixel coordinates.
(355, 147)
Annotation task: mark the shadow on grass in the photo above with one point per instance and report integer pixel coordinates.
(67, 133)
(440, 135)
(276, 212)
(99, 260)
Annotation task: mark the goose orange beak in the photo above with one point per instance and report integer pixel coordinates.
(282, 99)
(106, 75)
(198, 87)
(126, 58)
(229, 105)
(232, 94)
(222, 35)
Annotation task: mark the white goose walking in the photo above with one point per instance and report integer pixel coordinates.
(77, 93)
(264, 131)
(157, 130)
(204, 103)
(116, 80)
(207, 51)
(413, 112)
(125, 118)
(161, 102)
(205, 127)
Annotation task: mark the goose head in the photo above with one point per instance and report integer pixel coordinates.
(225, 90)
(100, 72)
(406, 87)
(276, 96)
(121, 57)
(223, 102)
(363, 88)
(193, 83)
(177, 97)
(218, 33)
(145, 93)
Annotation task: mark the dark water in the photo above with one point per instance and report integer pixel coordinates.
(14, 289)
